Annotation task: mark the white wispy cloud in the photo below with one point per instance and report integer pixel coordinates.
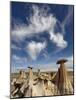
(18, 60)
(58, 39)
(15, 47)
(34, 49)
(39, 22)
(67, 19)
(46, 54)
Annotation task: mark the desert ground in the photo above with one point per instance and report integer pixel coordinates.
(37, 83)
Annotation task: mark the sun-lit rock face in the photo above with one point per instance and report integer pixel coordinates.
(42, 84)
(50, 89)
(38, 89)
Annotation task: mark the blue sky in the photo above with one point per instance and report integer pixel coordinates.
(41, 34)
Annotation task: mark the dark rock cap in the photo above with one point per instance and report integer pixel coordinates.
(61, 61)
(30, 67)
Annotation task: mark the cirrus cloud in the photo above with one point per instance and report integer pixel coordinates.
(58, 39)
(39, 22)
(34, 49)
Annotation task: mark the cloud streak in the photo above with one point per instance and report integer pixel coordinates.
(67, 19)
(18, 61)
(34, 49)
(15, 47)
(58, 39)
(39, 22)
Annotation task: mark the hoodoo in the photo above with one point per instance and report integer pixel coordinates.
(41, 84)
(30, 81)
(30, 76)
(62, 80)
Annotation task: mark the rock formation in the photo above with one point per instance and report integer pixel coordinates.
(62, 80)
(42, 84)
